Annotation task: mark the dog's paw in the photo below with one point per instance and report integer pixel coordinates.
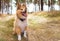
(19, 37)
(25, 34)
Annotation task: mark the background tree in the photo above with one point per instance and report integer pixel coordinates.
(4, 5)
(39, 2)
(41, 5)
(30, 1)
(52, 3)
(49, 3)
(0, 5)
(7, 6)
(59, 4)
(35, 2)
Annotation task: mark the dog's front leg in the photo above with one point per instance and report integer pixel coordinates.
(25, 32)
(18, 31)
(19, 37)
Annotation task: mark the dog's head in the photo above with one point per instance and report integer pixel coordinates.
(21, 10)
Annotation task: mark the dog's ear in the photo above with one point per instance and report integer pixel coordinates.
(24, 5)
(18, 6)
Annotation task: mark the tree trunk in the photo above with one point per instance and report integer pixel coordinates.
(11, 7)
(35, 7)
(8, 9)
(52, 5)
(41, 5)
(59, 4)
(0, 5)
(48, 5)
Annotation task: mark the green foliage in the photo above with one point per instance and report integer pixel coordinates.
(30, 1)
(35, 1)
(53, 1)
(22, 1)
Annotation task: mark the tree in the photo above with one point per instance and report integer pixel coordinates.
(41, 5)
(30, 1)
(35, 2)
(4, 4)
(0, 5)
(59, 4)
(49, 3)
(11, 6)
(52, 3)
(7, 2)
(20, 1)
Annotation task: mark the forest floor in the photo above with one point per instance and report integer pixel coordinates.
(40, 28)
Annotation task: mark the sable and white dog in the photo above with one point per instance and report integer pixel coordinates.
(20, 23)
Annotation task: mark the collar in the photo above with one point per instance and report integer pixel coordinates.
(22, 19)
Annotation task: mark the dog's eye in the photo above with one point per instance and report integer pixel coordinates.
(21, 9)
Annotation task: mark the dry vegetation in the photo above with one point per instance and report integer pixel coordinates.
(42, 27)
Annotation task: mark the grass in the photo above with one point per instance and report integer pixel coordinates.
(44, 28)
(40, 27)
(6, 29)
(49, 14)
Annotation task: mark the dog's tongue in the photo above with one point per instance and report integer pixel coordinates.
(24, 14)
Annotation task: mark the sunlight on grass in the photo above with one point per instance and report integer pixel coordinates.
(44, 28)
(32, 20)
(41, 27)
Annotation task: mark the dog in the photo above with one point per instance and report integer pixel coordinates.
(20, 23)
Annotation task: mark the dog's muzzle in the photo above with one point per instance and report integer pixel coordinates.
(24, 13)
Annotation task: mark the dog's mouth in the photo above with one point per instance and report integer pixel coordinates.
(24, 13)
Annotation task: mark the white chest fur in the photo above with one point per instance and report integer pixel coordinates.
(21, 24)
